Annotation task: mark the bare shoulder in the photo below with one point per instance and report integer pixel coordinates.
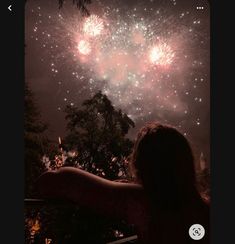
(105, 196)
(70, 175)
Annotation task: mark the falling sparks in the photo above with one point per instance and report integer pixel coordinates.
(34, 226)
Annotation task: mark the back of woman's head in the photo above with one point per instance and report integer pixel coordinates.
(162, 161)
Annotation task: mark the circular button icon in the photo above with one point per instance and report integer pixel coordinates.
(196, 232)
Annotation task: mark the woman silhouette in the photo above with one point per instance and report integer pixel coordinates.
(162, 203)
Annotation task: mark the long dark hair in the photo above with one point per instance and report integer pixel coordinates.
(162, 161)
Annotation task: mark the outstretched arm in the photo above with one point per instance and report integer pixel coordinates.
(88, 190)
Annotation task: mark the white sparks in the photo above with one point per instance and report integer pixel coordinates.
(84, 47)
(161, 54)
(93, 26)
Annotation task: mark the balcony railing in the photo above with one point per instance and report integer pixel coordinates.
(42, 202)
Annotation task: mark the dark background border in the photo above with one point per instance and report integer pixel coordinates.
(222, 122)
(11, 117)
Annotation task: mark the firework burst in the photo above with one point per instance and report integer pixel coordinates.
(84, 47)
(146, 60)
(93, 26)
(161, 54)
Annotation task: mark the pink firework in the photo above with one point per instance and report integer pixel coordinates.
(93, 26)
(84, 47)
(161, 54)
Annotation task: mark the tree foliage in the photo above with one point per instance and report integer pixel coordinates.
(81, 5)
(35, 141)
(98, 133)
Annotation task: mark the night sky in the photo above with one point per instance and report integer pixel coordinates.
(151, 58)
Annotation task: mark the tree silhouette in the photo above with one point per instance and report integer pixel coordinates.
(81, 5)
(98, 133)
(35, 141)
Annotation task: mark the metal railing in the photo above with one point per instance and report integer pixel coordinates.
(124, 240)
(40, 202)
